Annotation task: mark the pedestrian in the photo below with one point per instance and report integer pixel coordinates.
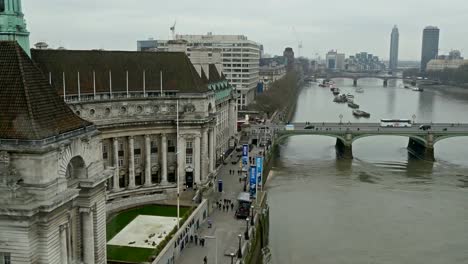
(202, 242)
(196, 240)
(191, 238)
(205, 260)
(232, 207)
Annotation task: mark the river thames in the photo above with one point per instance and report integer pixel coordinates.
(383, 206)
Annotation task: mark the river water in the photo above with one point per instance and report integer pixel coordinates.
(383, 206)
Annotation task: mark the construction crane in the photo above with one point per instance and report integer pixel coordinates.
(299, 42)
(173, 30)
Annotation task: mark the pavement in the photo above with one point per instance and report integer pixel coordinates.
(225, 226)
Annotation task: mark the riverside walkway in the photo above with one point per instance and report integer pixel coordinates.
(226, 227)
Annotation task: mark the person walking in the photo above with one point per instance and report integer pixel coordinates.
(205, 260)
(196, 240)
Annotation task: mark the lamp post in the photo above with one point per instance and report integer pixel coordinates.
(252, 215)
(239, 251)
(341, 118)
(246, 234)
(414, 118)
(216, 247)
(232, 257)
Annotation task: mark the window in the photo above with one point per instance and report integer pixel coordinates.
(154, 147)
(2, 5)
(5, 258)
(137, 151)
(137, 160)
(121, 162)
(189, 159)
(170, 146)
(104, 151)
(189, 148)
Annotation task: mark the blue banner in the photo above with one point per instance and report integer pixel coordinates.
(245, 155)
(259, 164)
(245, 150)
(253, 180)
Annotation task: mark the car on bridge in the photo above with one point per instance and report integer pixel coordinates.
(309, 127)
(425, 127)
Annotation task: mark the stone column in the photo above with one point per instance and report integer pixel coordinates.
(88, 235)
(147, 161)
(116, 186)
(205, 165)
(131, 163)
(163, 152)
(232, 120)
(212, 150)
(196, 156)
(63, 244)
(181, 159)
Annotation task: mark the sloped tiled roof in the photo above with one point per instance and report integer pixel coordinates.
(29, 108)
(177, 70)
(214, 74)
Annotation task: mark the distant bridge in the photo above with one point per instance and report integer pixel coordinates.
(356, 76)
(421, 142)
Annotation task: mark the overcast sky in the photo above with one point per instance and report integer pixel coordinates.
(349, 26)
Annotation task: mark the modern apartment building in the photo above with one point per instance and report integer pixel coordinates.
(430, 46)
(240, 59)
(394, 42)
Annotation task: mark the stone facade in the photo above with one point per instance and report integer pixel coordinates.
(139, 138)
(52, 200)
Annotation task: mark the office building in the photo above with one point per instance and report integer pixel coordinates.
(394, 42)
(240, 59)
(430, 46)
(335, 60)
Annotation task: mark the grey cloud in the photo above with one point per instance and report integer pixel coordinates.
(347, 25)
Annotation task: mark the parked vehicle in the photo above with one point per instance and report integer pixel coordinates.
(244, 202)
(309, 127)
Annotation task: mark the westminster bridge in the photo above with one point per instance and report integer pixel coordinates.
(421, 142)
(356, 76)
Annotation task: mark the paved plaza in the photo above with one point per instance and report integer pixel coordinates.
(143, 231)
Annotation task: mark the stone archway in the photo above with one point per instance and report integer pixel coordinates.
(76, 169)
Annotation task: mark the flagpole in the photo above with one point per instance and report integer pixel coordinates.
(178, 170)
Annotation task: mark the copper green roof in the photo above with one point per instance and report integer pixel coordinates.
(177, 70)
(29, 108)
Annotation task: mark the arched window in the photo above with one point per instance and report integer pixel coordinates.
(75, 169)
(2, 5)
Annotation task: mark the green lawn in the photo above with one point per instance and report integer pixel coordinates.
(118, 222)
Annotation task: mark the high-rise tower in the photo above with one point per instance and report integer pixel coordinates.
(395, 38)
(430, 46)
(12, 23)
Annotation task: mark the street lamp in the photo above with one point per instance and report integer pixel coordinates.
(341, 118)
(216, 247)
(232, 257)
(246, 234)
(239, 251)
(414, 118)
(252, 215)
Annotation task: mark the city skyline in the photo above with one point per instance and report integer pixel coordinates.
(73, 25)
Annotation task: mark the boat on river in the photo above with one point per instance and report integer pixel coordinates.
(360, 113)
(353, 105)
(418, 89)
(359, 90)
(340, 99)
